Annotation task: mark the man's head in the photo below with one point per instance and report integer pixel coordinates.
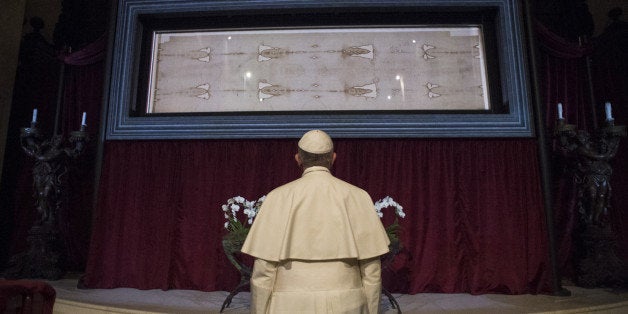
(315, 149)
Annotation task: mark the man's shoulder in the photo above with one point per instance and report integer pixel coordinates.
(348, 185)
(284, 188)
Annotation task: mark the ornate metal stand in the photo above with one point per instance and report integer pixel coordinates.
(232, 247)
(43, 256)
(589, 159)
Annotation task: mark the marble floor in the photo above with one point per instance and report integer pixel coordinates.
(125, 300)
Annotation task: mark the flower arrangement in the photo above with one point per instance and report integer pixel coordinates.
(393, 229)
(389, 202)
(238, 229)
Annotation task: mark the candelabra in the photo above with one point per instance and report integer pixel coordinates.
(588, 157)
(51, 156)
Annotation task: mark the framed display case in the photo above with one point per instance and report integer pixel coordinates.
(275, 69)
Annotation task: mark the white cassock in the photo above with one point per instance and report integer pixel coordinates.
(317, 242)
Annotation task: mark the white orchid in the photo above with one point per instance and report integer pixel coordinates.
(388, 202)
(239, 199)
(249, 208)
(393, 229)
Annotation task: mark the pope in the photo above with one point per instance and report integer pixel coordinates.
(317, 241)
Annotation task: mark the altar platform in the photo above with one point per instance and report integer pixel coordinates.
(72, 300)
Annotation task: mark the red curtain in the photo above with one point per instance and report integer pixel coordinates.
(474, 223)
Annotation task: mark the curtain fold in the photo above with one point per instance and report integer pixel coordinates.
(563, 78)
(90, 54)
(557, 46)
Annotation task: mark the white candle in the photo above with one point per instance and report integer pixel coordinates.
(34, 115)
(560, 111)
(609, 111)
(84, 118)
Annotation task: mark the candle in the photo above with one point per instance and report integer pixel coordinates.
(34, 115)
(609, 112)
(560, 111)
(84, 118)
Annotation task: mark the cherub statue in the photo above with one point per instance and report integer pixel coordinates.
(593, 156)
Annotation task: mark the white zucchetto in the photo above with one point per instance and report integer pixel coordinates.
(316, 142)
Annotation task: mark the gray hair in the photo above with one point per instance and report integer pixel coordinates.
(309, 159)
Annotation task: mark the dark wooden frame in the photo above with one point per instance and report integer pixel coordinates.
(135, 20)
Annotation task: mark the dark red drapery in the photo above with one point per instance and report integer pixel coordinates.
(474, 220)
